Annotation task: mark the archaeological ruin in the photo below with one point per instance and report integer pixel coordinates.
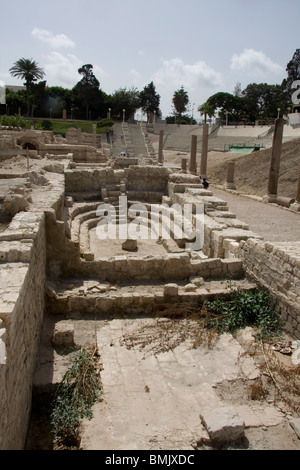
(58, 198)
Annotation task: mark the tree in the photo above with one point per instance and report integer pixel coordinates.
(28, 70)
(180, 101)
(149, 100)
(125, 99)
(87, 90)
(206, 109)
(227, 103)
(15, 101)
(261, 101)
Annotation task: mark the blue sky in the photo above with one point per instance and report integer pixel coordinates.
(203, 46)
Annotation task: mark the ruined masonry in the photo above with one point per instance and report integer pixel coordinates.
(52, 260)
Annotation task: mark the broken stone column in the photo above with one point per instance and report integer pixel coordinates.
(160, 147)
(94, 136)
(79, 136)
(230, 176)
(203, 165)
(275, 161)
(296, 206)
(193, 163)
(183, 165)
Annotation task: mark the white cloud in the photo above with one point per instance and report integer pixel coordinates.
(254, 63)
(135, 77)
(56, 41)
(62, 70)
(175, 72)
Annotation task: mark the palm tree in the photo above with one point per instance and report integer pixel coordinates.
(28, 70)
(205, 110)
(180, 101)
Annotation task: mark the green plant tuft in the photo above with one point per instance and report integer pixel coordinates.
(74, 398)
(242, 309)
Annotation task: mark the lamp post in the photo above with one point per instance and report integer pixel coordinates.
(278, 112)
(226, 118)
(154, 114)
(123, 115)
(109, 111)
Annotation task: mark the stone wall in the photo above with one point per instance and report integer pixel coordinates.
(173, 266)
(22, 280)
(276, 267)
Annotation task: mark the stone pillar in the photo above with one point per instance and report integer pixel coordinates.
(296, 206)
(64, 114)
(79, 135)
(94, 136)
(203, 165)
(230, 176)
(193, 163)
(275, 161)
(183, 165)
(160, 148)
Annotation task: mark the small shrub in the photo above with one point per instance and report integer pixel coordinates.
(74, 398)
(242, 309)
(14, 121)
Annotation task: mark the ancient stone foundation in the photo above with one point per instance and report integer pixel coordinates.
(52, 261)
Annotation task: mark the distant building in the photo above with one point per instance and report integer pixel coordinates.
(15, 88)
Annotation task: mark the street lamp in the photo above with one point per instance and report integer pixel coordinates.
(123, 115)
(154, 114)
(278, 111)
(109, 110)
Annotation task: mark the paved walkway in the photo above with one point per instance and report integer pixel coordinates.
(274, 223)
(153, 399)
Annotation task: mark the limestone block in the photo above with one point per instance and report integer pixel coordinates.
(171, 290)
(223, 425)
(190, 287)
(295, 424)
(63, 334)
(88, 256)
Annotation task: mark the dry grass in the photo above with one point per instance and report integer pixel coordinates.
(171, 327)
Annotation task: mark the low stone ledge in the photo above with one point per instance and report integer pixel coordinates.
(223, 425)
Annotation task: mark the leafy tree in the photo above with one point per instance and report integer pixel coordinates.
(261, 101)
(206, 109)
(125, 99)
(28, 70)
(226, 102)
(86, 91)
(149, 100)
(16, 100)
(180, 101)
